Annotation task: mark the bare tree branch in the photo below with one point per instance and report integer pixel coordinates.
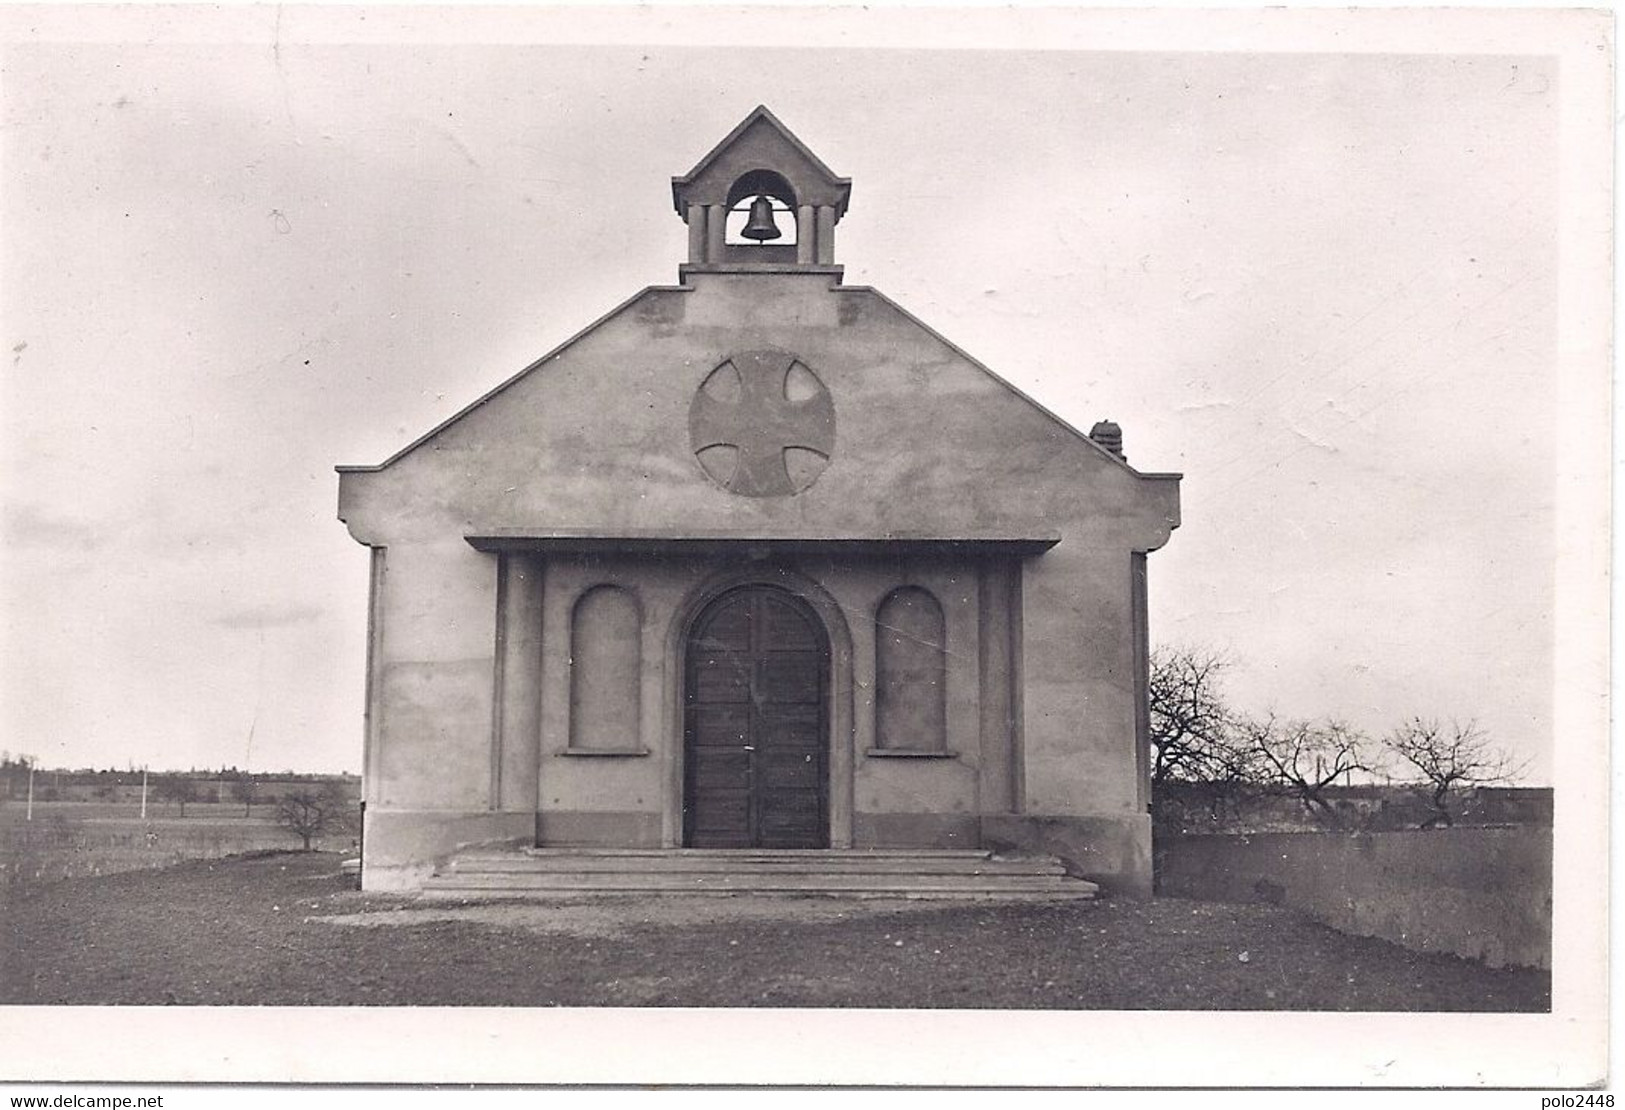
(309, 814)
(1449, 758)
(1192, 733)
(1307, 757)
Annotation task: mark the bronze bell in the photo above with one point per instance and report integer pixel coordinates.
(761, 225)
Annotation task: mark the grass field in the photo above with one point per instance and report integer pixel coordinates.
(288, 929)
(75, 839)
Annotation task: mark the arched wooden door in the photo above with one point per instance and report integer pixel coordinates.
(755, 736)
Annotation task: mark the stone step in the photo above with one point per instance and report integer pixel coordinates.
(1069, 894)
(860, 873)
(741, 854)
(828, 864)
(875, 885)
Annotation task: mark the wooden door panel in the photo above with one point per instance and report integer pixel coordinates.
(796, 741)
(809, 714)
(723, 823)
(787, 679)
(788, 825)
(786, 628)
(756, 726)
(712, 726)
(788, 770)
(719, 676)
(725, 815)
(804, 722)
(724, 770)
(791, 806)
(727, 625)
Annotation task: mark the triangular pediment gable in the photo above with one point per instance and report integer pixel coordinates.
(761, 142)
(1069, 430)
(598, 438)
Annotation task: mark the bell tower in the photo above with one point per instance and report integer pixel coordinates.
(760, 201)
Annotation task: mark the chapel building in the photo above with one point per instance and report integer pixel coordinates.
(757, 563)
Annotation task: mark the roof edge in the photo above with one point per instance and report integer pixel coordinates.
(547, 541)
(835, 287)
(491, 394)
(1066, 425)
(760, 112)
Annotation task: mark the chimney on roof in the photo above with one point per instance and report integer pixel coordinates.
(1109, 436)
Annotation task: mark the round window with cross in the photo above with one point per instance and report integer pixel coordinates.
(762, 424)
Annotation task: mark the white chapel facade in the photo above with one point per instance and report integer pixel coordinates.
(758, 561)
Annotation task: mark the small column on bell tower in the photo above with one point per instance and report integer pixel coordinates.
(716, 231)
(696, 233)
(825, 235)
(806, 235)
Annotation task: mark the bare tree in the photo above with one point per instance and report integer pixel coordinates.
(305, 813)
(1307, 757)
(247, 791)
(310, 813)
(1199, 750)
(179, 789)
(1191, 729)
(1449, 758)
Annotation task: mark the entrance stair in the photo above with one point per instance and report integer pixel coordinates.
(858, 873)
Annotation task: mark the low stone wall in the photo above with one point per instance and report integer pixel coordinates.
(1484, 893)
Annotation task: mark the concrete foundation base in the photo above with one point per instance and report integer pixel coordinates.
(403, 847)
(1114, 852)
(915, 830)
(598, 830)
(400, 848)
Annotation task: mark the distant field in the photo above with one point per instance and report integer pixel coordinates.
(75, 839)
(15, 810)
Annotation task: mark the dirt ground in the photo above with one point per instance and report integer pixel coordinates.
(289, 930)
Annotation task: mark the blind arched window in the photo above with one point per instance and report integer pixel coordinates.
(910, 672)
(606, 632)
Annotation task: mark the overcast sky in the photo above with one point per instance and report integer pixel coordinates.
(1322, 286)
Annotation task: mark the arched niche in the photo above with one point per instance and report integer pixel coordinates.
(911, 658)
(606, 634)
